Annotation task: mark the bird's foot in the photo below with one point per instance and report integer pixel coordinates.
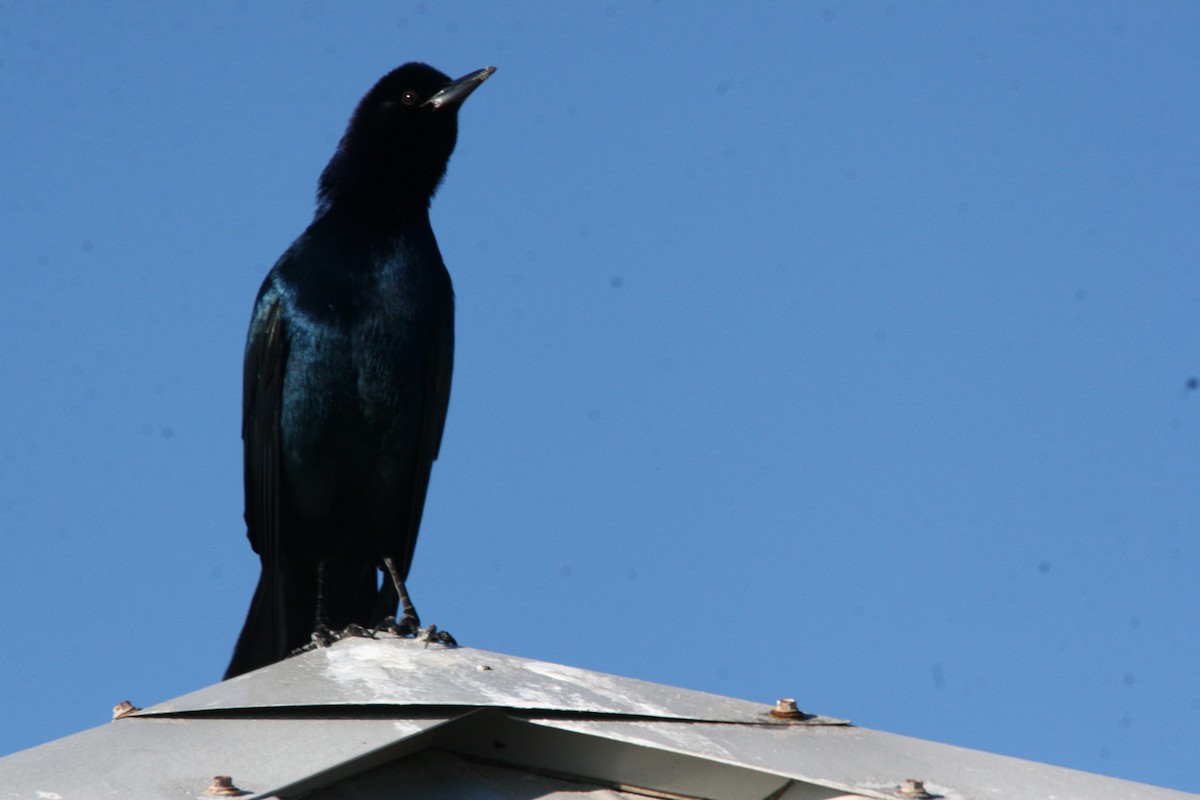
(407, 625)
(432, 634)
(323, 636)
(357, 631)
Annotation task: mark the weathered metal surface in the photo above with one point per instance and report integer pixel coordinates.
(139, 757)
(867, 762)
(402, 672)
(359, 714)
(494, 737)
(441, 776)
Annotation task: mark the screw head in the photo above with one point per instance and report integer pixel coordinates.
(915, 788)
(786, 709)
(123, 709)
(222, 786)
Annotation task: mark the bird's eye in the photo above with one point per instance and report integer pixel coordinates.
(409, 98)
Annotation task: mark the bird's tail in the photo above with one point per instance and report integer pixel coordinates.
(265, 636)
(283, 611)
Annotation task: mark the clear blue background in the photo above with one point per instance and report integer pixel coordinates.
(835, 351)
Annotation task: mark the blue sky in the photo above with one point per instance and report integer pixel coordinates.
(829, 351)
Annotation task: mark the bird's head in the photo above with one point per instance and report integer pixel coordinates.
(400, 138)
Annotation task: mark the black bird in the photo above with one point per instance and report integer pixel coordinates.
(347, 377)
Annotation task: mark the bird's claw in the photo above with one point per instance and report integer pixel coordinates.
(406, 626)
(409, 627)
(323, 636)
(432, 634)
(357, 631)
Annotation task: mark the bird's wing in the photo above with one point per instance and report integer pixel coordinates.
(439, 365)
(442, 365)
(264, 636)
(262, 400)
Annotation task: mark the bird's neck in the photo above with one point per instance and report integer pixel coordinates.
(374, 216)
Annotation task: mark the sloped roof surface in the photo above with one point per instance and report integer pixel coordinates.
(410, 674)
(395, 718)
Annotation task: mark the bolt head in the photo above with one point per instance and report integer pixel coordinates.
(786, 709)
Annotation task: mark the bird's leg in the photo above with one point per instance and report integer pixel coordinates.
(322, 634)
(409, 622)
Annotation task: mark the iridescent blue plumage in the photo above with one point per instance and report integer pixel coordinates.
(347, 377)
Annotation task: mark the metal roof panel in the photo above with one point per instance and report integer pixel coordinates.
(326, 718)
(150, 758)
(868, 762)
(402, 672)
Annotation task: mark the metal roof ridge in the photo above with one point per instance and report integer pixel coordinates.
(394, 672)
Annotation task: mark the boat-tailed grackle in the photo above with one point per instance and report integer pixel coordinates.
(347, 377)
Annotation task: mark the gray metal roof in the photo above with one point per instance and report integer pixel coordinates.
(394, 718)
(408, 673)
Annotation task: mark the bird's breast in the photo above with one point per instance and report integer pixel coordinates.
(355, 392)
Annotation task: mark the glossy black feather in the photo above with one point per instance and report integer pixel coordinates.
(347, 374)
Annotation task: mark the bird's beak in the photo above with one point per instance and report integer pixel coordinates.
(455, 93)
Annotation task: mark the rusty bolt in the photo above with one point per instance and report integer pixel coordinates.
(786, 709)
(124, 709)
(915, 788)
(222, 786)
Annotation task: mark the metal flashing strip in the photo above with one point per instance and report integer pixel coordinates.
(493, 738)
(870, 763)
(562, 753)
(403, 673)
